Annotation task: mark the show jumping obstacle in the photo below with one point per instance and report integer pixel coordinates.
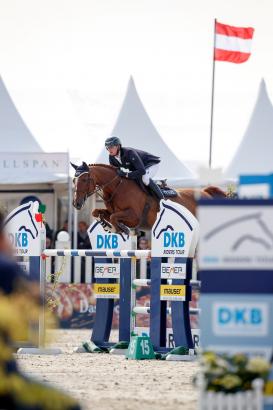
(174, 234)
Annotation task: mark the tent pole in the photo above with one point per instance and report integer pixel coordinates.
(69, 216)
(75, 229)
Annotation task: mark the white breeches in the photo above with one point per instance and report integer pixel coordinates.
(150, 173)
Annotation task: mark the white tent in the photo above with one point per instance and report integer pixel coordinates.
(25, 170)
(135, 129)
(254, 154)
(14, 133)
(22, 160)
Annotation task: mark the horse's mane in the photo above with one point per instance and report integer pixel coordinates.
(103, 166)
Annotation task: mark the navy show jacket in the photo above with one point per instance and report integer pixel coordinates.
(135, 160)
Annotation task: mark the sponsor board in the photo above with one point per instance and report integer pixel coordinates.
(173, 271)
(24, 266)
(173, 292)
(106, 290)
(240, 319)
(246, 349)
(240, 323)
(175, 232)
(101, 240)
(25, 230)
(254, 191)
(237, 236)
(107, 270)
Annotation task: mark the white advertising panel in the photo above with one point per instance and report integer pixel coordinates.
(175, 231)
(236, 237)
(25, 230)
(102, 240)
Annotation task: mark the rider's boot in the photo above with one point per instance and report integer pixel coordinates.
(156, 190)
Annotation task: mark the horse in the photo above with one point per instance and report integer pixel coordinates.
(127, 204)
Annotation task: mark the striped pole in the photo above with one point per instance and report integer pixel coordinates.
(133, 297)
(145, 310)
(105, 253)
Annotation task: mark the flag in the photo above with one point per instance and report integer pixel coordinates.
(232, 44)
(39, 218)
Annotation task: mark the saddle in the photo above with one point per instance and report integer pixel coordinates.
(162, 184)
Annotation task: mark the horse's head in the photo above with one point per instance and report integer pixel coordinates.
(84, 185)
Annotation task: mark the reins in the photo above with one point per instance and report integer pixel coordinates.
(102, 188)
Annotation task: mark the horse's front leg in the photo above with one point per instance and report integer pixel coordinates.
(99, 213)
(123, 219)
(103, 216)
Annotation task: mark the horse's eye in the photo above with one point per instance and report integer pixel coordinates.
(74, 180)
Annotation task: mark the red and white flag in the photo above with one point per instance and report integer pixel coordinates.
(232, 44)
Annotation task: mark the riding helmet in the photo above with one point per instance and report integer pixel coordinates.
(112, 141)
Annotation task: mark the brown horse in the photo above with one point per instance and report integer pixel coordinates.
(127, 205)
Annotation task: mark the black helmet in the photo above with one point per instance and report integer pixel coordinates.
(112, 141)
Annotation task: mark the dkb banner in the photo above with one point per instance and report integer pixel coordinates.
(236, 269)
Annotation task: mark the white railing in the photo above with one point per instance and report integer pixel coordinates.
(76, 269)
(63, 266)
(248, 400)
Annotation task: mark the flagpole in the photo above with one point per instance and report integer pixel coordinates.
(212, 98)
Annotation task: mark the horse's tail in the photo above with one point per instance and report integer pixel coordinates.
(215, 192)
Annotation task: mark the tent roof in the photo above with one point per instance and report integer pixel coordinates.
(254, 154)
(135, 129)
(14, 134)
(22, 161)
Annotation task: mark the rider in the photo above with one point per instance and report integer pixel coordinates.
(141, 164)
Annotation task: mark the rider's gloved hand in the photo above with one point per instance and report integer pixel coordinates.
(121, 173)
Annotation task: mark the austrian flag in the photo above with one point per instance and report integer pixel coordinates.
(232, 44)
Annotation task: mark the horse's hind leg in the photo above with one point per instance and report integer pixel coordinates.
(123, 219)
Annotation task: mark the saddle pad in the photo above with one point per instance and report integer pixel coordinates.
(168, 192)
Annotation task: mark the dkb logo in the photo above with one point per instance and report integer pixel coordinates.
(174, 240)
(19, 239)
(239, 318)
(107, 241)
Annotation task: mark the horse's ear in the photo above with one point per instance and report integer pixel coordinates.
(84, 164)
(73, 165)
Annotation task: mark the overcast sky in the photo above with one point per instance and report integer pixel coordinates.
(66, 64)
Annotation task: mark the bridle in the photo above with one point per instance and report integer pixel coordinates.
(99, 188)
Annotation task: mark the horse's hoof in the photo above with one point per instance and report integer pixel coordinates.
(124, 228)
(109, 228)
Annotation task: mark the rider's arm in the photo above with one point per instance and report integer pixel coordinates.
(114, 162)
(138, 164)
